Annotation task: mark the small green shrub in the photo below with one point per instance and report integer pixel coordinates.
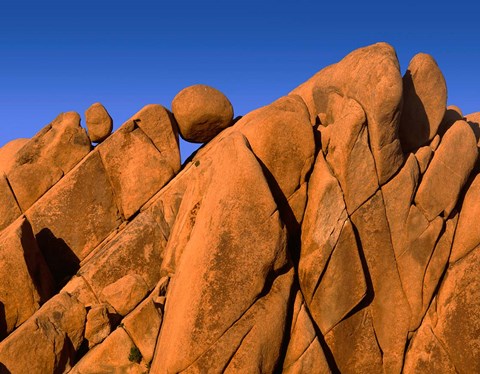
(135, 355)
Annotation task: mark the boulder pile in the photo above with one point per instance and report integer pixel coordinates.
(333, 230)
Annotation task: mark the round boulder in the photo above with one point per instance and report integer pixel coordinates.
(99, 123)
(201, 112)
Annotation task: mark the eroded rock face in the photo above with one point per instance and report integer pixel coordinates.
(333, 230)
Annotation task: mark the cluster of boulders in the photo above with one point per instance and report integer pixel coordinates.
(330, 231)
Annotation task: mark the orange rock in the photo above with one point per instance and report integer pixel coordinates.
(138, 249)
(448, 171)
(279, 134)
(467, 235)
(98, 325)
(63, 220)
(99, 123)
(143, 325)
(398, 196)
(354, 346)
(321, 227)
(426, 355)
(348, 153)
(160, 126)
(425, 101)
(344, 271)
(53, 336)
(304, 353)
(136, 168)
(412, 265)
(117, 353)
(50, 154)
(448, 339)
(370, 69)
(26, 281)
(8, 151)
(215, 313)
(435, 142)
(126, 293)
(9, 209)
(78, 288)
(424, 156)
(202, 112)
(389, 302)
(438, 262)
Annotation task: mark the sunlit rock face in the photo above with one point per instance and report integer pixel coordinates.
(333, 230)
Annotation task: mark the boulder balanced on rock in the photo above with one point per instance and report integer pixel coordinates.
(201, 113)
(333, 230)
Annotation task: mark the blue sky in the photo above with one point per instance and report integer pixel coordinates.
(57, 56)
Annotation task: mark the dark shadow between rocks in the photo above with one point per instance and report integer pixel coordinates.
(3, 323)
(61, 260)
(414, 123)
(286, 213)
(450, 117)
(4, 370)
(36, 265)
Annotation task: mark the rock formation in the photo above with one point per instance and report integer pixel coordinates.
(330, 231)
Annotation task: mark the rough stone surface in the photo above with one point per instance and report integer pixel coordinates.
(424, 102)
(143, 325)
(300, 239)
(201, 112)
(135, 167)
(229, 326)
(26, 281)
(111, 356)
(125, 294)
(98, 325)
(9, 209)
(74, 217)
(53, 335)
(467, 235)
(449, 170)
(99, 123)
(45, 158)
(370, 69)
(8, 151)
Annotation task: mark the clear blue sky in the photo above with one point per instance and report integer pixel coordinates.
(57, 56)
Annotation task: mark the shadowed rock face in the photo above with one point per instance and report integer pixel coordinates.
(333, 230)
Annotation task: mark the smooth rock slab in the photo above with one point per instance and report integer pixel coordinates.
(448, 171)
(216, 309)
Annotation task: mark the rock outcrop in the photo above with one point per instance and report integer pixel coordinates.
(330, 231)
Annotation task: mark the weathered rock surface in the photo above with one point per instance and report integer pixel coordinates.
(371, 69)
(201, 112)
(136, 168)
(45, 158)
(53, 335)
(449, 170)
(26, 282)
(300, 238)
(99, 123)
